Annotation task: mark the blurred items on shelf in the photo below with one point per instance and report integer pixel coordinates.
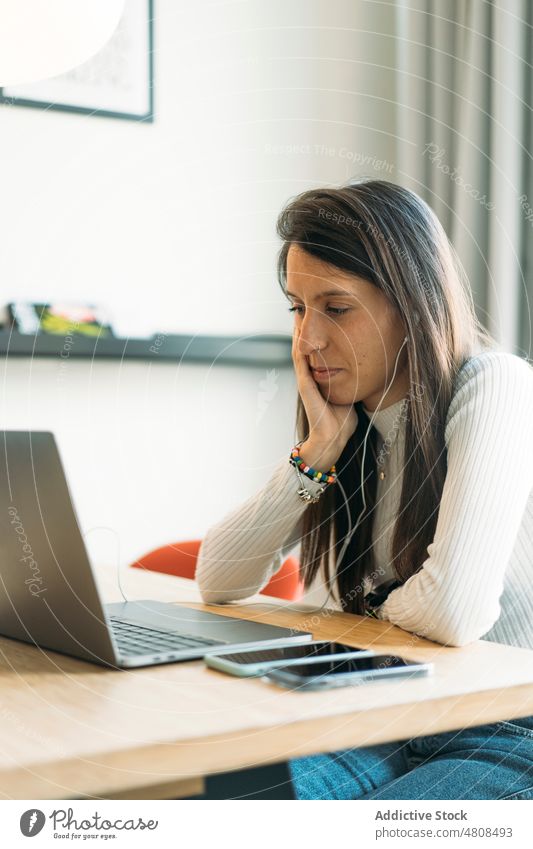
(59, 319)
(66, 329)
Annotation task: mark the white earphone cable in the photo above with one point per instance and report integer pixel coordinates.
(351, 531)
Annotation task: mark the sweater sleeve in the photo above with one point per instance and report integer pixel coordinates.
(240, 554)
(454, 598)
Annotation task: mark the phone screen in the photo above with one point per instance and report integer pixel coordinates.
(342, 666)
(293, 652)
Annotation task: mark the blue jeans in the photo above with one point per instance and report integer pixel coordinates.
(492, 761)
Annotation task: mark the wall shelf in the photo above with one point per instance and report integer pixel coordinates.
(253, 351)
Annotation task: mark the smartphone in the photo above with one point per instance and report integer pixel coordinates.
(341, 672)
(251, 663)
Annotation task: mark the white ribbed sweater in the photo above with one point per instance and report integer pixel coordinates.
(477, 580)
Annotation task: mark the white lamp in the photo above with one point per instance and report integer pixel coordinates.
(45, 38)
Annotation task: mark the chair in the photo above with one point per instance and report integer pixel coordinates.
(180, 558)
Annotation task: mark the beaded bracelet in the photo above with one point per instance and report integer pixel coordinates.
(319, 477)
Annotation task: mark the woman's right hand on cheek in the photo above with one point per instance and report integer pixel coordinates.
(330, 425)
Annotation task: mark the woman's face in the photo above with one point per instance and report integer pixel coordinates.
(357, 328)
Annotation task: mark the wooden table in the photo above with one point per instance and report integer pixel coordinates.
(70, 729)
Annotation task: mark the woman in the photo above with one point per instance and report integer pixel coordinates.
(411, 486)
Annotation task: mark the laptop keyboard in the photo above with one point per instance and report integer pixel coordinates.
(134, 639)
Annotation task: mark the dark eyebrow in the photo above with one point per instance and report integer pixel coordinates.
(325, 294)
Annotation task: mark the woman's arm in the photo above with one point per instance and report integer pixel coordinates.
(454, 598)
(241, 553)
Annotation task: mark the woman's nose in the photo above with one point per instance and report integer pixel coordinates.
(310, 338)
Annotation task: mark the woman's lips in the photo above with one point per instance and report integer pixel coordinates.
(325, 374)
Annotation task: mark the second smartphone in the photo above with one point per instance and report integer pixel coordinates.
(251, 663)
(343, 671)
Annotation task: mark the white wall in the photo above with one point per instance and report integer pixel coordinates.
(155, 453)
(255, 102)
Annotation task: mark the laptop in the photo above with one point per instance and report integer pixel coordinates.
(48, 592)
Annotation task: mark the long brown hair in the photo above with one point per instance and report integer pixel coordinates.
(389, 236)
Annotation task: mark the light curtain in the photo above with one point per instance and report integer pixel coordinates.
(464, 131)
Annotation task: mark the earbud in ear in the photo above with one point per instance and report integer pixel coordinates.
(416, 317)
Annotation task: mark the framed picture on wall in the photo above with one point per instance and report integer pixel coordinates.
(117, 82)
